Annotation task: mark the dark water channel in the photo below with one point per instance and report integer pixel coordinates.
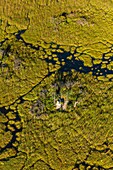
(4, 112)
(74, 63)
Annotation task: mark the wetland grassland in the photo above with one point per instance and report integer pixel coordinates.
(56, 85)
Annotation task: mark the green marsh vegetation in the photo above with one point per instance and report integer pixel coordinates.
(51, 52)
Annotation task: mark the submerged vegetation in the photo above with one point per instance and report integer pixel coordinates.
(56, 85)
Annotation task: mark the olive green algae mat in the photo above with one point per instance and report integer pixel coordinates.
(56, 85)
